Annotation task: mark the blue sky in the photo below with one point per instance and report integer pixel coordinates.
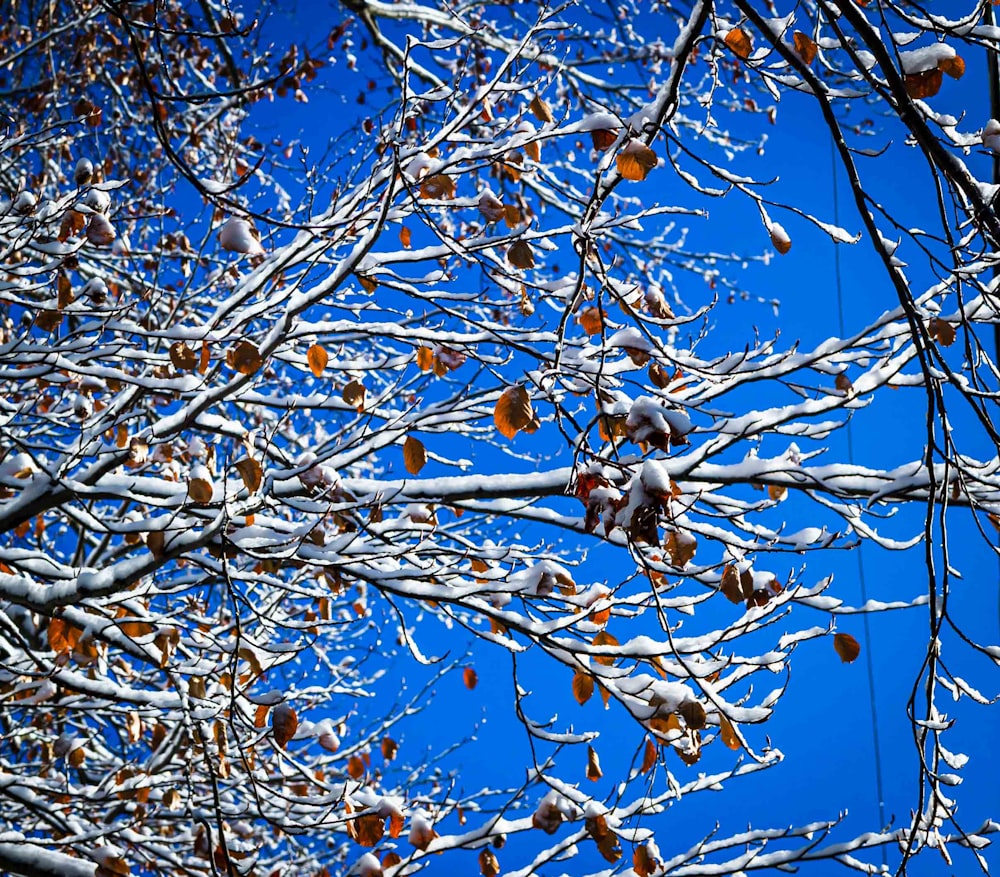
(824, 724)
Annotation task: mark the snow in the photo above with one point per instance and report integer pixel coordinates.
(925, 58)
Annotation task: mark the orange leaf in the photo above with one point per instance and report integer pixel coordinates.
(636, 161)
(603, 138)
(780, 239)
(805, 48)
(590, 321)
(389, 748)
(927, 83)
(644, 863)
(648, 756)
(605, 639)
(63, 636)
(355, 767)
(470, 678)
(513, 412)
(594, 771)
(317, 358)
(728, 733)
(404, 237)
(583, 687)
(425, 359)
(414, 455)
(260, 716)
(848, 648)
(739, 42)
(954, 67)
(488, 864)
(200, 490)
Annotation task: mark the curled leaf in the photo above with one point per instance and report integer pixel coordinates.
(513, 412)
(594, 772)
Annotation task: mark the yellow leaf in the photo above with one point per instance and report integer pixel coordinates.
(414, 455)
(636, 161)
(847, 647)
(513, 411)
(739, 42)
(317, 358)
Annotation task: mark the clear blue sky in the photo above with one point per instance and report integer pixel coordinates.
(824, 724)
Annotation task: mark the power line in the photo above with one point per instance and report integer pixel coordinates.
(879, 787)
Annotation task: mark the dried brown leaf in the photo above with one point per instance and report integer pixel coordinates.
(847, 647)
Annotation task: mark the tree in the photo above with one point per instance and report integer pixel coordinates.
(270, 421)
